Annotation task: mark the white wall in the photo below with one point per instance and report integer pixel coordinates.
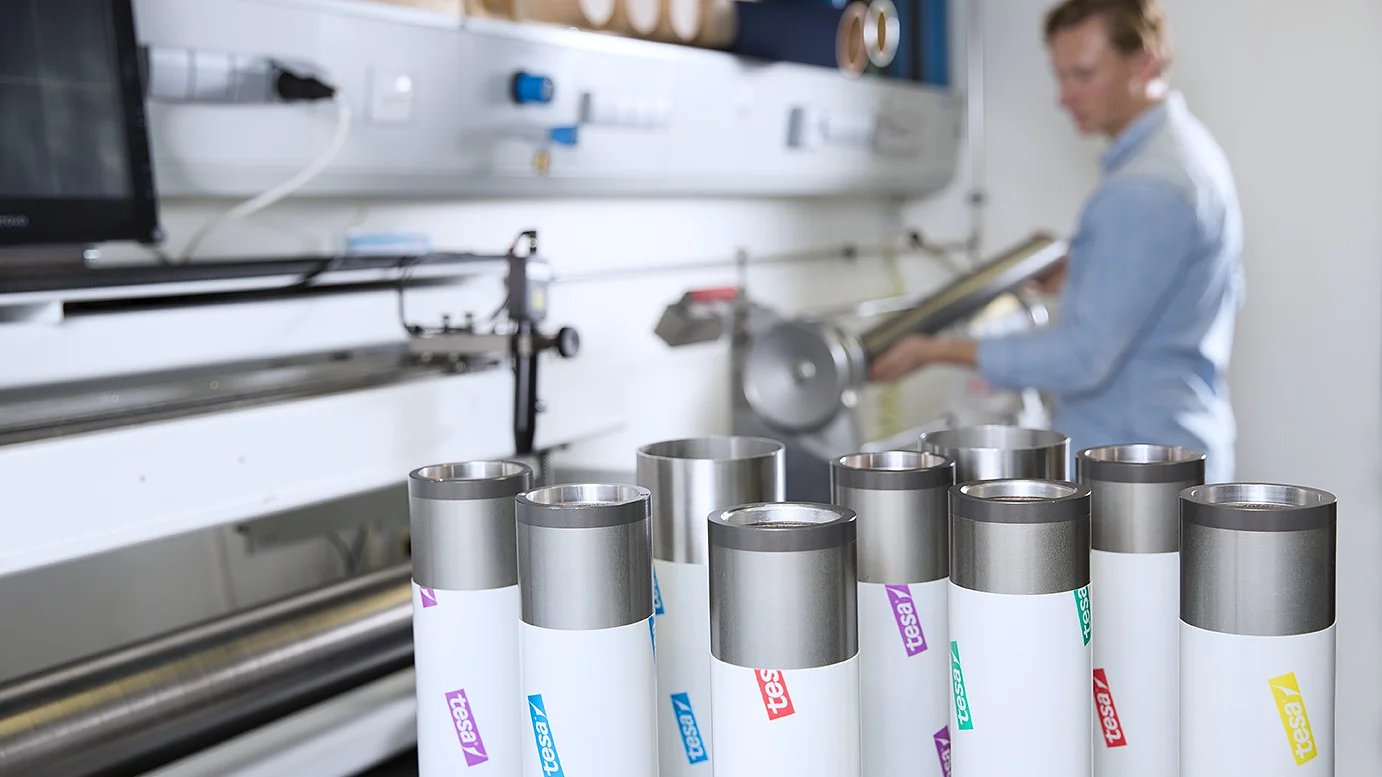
(1294, 93)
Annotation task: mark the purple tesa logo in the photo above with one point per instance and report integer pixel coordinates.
(466, 731)
(943, 749)
(905, 613)
(429, 597)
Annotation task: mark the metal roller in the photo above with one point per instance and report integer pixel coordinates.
(465, 615)
(1257, 626)
(139, 707)
(1135, 574)
(1020, 629)
(689, 479)
(585, 577)
(998, 452)
(904, 562)
(784, 640)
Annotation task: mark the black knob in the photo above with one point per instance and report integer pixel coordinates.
(568, 342)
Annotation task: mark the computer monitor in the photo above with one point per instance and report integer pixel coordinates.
(75, 166)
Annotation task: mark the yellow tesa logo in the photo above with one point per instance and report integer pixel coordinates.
(1289, 703)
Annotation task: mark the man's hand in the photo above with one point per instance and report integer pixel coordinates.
(916, 351)
(1051, 281)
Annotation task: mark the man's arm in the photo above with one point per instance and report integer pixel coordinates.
(1137, 237)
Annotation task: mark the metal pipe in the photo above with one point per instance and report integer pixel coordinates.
(139, 707)
(997, 452)
(1257, 625)
(691, 478)
(968, 294)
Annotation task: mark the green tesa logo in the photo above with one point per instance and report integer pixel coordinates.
(1086, 621)
(963, 719)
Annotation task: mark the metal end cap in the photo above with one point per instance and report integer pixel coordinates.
(1258, 507)
(465, 480)
(991, 437)
(892, 471)
(583, 506)
(714, 448)
(782, 527)
(1140, 464)
(1020, 501)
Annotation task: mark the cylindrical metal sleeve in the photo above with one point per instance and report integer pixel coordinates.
(1019, 536)
(462, 517)
(900, 498)
(689, 479)
(783, 586)
(584, 556)
(1258, 559)
(967, 294)
(136, 708)
(998, 452)
(1135, 500)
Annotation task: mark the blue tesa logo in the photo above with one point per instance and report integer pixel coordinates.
(657, 597)
(690, 732)
(542, 733)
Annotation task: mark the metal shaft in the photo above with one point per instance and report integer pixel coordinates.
(998, 452)
(1258, 559)
(462, 518)
(967, 295)
(1135, 504)
(783, 586)
(1022, 537)
(585, 556)
(689, 479)
(139, 707)
(900, 498)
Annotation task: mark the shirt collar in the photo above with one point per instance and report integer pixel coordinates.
(1136, 134)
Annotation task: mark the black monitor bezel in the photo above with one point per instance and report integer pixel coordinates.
(50, 221)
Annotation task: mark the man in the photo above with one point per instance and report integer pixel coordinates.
(1154, 277)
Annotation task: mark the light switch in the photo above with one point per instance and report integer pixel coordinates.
(391, 97)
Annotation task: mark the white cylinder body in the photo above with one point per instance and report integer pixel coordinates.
(1135, 576)
(793, 722)
(1260, 706)
(466, 607)
(904, 666)
(1257, 630)
(1136, 602)
(465, 650)
(681, 606)
(687, 480)
(589, 699)
(1020, 668)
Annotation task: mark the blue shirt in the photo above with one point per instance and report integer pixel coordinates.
(1147, 311)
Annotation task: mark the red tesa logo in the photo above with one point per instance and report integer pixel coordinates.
(776, 700)
(1108, 714)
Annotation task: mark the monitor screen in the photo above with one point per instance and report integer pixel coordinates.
(74, 153)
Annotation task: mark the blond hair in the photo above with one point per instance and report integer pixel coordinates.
(1133, 26)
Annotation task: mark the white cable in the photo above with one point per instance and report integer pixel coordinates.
(270, 196)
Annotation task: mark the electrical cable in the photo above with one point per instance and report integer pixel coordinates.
(276, 193)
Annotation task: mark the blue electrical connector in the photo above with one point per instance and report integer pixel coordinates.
(529, 88)
(563, 136)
